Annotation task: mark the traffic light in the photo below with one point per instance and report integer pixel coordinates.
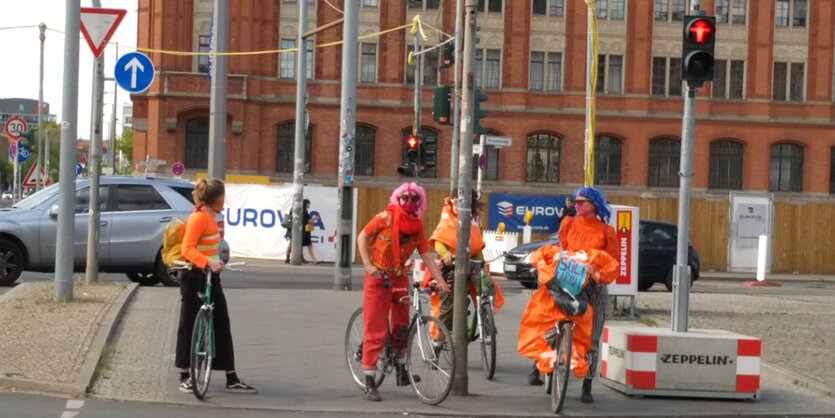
(479, 114)
(428, 152)
(697, 49)
(29, 139)
(412, 151)
(442, 109)
(447, 56)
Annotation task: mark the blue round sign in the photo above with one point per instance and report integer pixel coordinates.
(78, 169)
(134, 72)
(22, 156)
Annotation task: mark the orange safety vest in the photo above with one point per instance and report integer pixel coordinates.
(447, 231)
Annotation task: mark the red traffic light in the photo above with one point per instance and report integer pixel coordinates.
(412, 142)
(701, 31)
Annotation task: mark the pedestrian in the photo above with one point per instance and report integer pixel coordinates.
(287, 224)
(568, 209)
(309, 223)
(585, 235)
(385, 245)
(201, 248)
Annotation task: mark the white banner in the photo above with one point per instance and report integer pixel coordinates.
(254, 214)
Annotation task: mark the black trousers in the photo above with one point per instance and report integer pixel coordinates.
(194, 281)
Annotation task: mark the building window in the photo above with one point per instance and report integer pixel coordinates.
(368, 63)
(423, 4)
(490, 6)
(285, 151)
(790, 13)
(546, 77)
(427, 133)
(543, 158)
(492, 171)
(788, 81)
(786, 168)
(430, 67)
(666, 76)
(731, 11)
(364, 161)
(726, 165)
(203, 60)
(728, 81)
(287, 60)
(549, 7)
(537, 81)
(611, 9)
(664, 158)
(369, 3)
(488, 68)
(607, 157)
(197, 143)
(610, 74)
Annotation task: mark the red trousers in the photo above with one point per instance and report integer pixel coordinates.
(378, 304)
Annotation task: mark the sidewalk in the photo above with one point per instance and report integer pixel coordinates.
(773, 277)
(289, 345)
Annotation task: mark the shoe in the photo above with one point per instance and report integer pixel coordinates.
(534, 378)
(371, 393)
(240, 387)
(403, 376)
(187, 386)
(586, 396)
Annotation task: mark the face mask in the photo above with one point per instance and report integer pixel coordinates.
(410, 207)
(584, 210)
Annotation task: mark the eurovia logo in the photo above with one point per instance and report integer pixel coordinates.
(505, 208)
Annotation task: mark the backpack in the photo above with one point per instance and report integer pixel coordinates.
(172, 241)
(287, 223)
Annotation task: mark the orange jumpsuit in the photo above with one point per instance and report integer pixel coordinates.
(599, 241)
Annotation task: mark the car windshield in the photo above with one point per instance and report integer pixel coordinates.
(37, 198)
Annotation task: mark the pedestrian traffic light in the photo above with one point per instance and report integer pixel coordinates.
(441, 109)
(447, 56)
(479, 114)
(411, 149)
(699, 38)
(428, 152)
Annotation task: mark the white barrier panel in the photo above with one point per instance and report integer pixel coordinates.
(253, 216)
(495, 245)
(625, 221)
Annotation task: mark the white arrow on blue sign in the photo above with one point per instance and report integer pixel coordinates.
(78, 169)
(22, 156)
(134, 72)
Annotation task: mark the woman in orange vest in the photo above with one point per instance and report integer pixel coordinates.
(200, 247)
(385, 245)
(586, 232)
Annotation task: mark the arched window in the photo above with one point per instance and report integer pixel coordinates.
(726, 165)
(607, 157)
(543, 158)
(430, 173)
(364, 155)
(284, 152)
(197, 143)
(664, 159)
(786, 168)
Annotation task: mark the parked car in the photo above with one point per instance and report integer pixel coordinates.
(134, 212)
(7, 195)
(656, 256)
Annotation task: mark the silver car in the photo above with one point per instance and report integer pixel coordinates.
(134, 212)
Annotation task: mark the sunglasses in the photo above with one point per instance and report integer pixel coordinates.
(579, 202)
(415, 198)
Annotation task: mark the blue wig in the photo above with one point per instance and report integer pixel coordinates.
(596, 197)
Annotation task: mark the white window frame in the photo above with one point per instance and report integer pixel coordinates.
(310, 54)
(422, 7)
(546, 72)
(376, 4)
(606, 78)
(609, 10)
(486, 7)
(731, 14)
(548, 6)
(728, 74)
(790, 24)
(376, 63)
(789, 82)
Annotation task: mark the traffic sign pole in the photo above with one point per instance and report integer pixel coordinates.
(39, 185)
(217, 93)
(300, 151)
(93, 227)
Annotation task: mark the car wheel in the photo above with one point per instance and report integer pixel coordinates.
(528, 285)
(144, 279)
(170, 278)
(11, 262)
(668, 281)
(644, 285)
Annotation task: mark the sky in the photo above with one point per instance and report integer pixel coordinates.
(21, 47)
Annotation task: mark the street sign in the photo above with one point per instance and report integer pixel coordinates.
(31, 179)
(78, 169)
(496, 141)
(476, 149)
(178, 169)
(16, 127)
(22, 156)
(482, 161)
(98, 25)
(134, 72)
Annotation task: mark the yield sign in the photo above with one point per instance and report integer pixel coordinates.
(31, 179)
(98, 25)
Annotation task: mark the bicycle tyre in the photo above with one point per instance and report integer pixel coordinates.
(435, 366)
(353, 350)
(202, 353)
(488, 341)
(562, 367)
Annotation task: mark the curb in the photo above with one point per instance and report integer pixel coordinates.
(84, 381)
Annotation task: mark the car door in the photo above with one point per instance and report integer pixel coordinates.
(138, 220)
(49, 228)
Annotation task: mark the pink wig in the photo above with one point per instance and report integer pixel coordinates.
(410, 187)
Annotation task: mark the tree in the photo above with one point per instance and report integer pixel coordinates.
(125, 144)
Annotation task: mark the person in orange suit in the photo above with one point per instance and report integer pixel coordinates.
(385, 245)
(588, 232)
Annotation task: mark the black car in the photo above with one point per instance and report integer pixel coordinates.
(656, 256)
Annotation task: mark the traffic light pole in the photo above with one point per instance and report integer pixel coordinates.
(217, 94)
(299, 150)
(462, 254)
(416, 129)
(456, 103)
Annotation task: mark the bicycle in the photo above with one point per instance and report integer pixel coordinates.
(202, 336)
(429, 351)
(483, 324)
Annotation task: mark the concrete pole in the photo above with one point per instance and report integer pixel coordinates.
(456, 102)
(111, 151)
(69, 135)
(38, 163)
(299, 150)
(93, 227)
(462, 254)
(347, 133)
(217, 104)
(589, 64)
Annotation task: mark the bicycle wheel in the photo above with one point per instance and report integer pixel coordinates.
(562, 367)
(488, 341)
(353, 350)
(202, 351)
(430, 355)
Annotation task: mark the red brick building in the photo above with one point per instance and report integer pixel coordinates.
(765, 123)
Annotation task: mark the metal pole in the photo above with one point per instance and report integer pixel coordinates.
(456, 103)
(589, 63)
(416, 128)
(462, 253)
(347, 132)
(217, 104)
(299, 150)
(681, 274)
(46, 155)
(111, 151)
(480, 170)
(38, 163)
(69, 136)
(15, 182)
(93, 227)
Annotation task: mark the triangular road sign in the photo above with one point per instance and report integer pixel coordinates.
(31, 180)
(98, 25)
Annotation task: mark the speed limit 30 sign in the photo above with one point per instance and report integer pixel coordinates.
(15, 128)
